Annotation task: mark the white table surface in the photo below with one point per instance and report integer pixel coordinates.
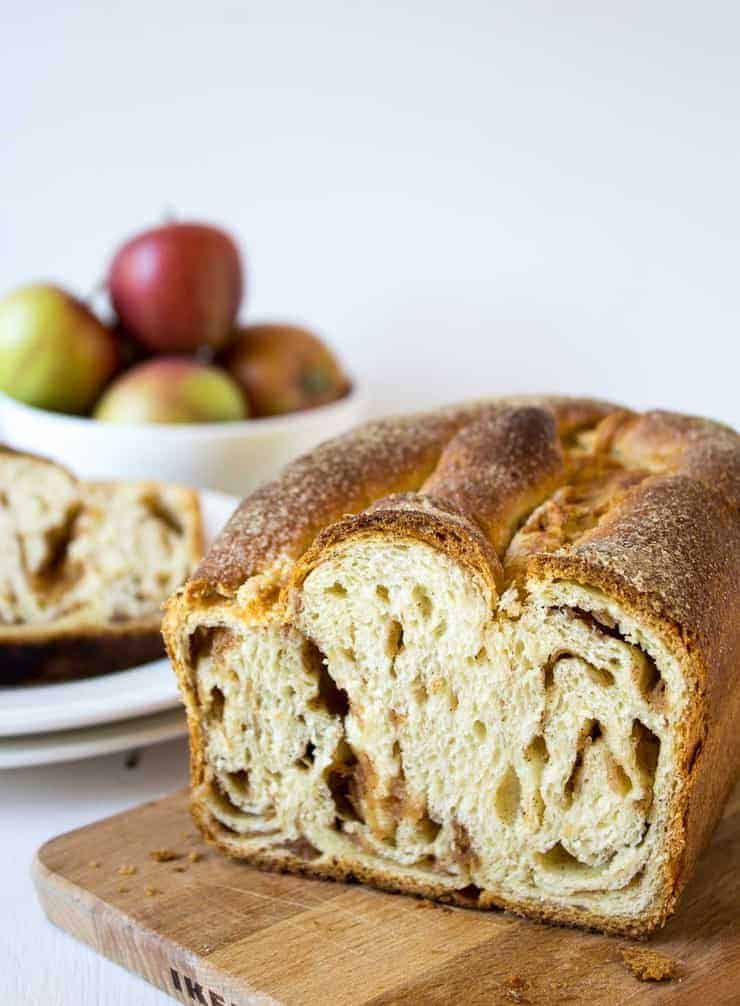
(39, 964)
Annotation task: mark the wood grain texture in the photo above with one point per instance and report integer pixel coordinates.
(235, 935)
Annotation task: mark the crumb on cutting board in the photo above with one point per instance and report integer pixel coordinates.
(94, 864)
(515, 981)
(151, 892)
(123, 889)
(163, 855)
(127, 870)
(194, 856)
(515, 988)
(648, 965)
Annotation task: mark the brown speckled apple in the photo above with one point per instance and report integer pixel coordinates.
(177, 288)
(54, 353)
(283, 368)
(172, 389)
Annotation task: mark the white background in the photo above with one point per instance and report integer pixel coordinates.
(465, 197)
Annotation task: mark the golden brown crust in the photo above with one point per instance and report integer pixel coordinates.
(671, 443)
(644, 508)
(498, 468)
(49, 658)
(671, 554)
(345, 476)
(669, 550)
(411, 515)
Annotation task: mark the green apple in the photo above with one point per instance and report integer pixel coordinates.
(54, 353)
(172, 389)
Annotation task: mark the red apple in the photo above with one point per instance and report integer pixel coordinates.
(283, 368)
(172, 389)
(54, 353)
(178, 287)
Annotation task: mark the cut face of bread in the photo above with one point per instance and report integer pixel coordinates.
(442, 696)
(81, 559)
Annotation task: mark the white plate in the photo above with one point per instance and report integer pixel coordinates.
(149, 688)
(71, 745)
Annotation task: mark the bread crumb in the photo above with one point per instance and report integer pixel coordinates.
(180, 869)
(122, 889)
(151, 891)
(194, 856)
(127, 870)
(94, 864)
(514, 989)
(164, 855)
(648, 965)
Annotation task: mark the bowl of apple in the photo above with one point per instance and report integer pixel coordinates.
(170, 384)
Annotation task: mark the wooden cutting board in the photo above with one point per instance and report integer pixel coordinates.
(211, 931)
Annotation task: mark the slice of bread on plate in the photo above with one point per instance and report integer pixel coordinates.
(85, 568)
(488, 654)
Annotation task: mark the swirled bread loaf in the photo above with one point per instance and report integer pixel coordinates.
(488, 654)
(85, 568)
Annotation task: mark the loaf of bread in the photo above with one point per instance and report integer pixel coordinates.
(488, 655)
(85, 568)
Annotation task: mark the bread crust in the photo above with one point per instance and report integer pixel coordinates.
(47, 658)
(279, 521)
(671, 556)
(407, 515)
(663, 492)
(347, 871)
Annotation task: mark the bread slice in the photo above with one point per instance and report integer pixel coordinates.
(487, 655)
(85, 568)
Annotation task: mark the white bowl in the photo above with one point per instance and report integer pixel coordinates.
(232, 457)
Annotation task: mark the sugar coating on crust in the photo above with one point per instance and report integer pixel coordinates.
(346, 475)
(485, 655)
